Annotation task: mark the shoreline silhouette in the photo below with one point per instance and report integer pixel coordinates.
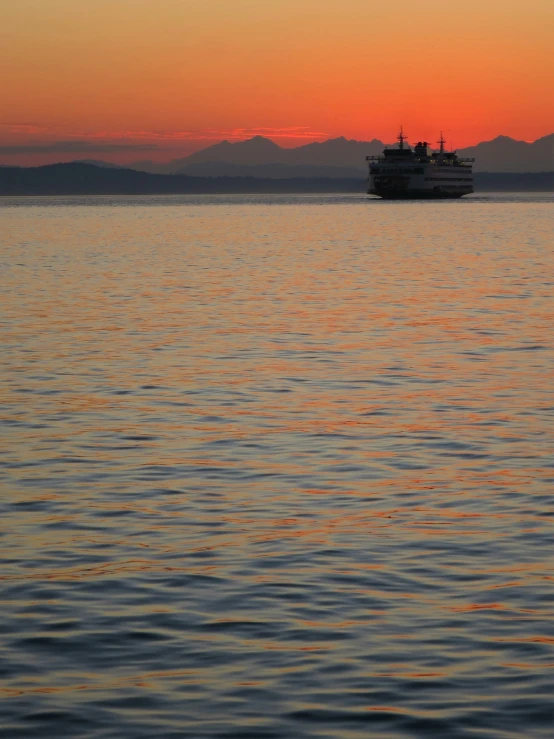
(76, 178)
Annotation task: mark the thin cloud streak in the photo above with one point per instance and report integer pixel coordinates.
(74, 147)
(212, 134)
(25, 128)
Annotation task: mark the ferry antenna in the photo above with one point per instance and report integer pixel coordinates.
(442, 142)
(401, 138)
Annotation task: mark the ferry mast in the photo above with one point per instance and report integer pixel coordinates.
(401, 138)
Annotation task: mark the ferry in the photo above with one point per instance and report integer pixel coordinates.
(403, 173)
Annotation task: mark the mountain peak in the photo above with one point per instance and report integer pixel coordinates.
(501, 139)
(258, 141)
(255, 150)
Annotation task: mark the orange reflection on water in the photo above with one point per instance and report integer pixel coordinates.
(479, 607)
(323, 422)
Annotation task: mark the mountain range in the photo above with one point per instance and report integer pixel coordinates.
(340, 157)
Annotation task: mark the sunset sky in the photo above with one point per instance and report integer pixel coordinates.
(155, 79)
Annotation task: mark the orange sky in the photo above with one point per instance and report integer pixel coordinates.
(156, 79)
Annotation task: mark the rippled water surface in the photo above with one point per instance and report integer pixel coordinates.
(276, 467)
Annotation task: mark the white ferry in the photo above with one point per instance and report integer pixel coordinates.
(406, 173)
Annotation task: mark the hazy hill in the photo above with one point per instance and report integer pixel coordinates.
(100, 163)
(502, 154)
(275, 171)
(146, 165)
(75, 178)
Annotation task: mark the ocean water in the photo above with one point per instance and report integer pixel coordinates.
(276, 467)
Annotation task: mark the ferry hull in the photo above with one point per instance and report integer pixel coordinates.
(405, 194)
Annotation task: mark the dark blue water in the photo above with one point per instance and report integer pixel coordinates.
(276, 467)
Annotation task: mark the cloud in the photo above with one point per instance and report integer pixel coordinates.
(75, 147)
(291, 132)
(216, 134)
(58, 139)
(210, 134)
(24, 128)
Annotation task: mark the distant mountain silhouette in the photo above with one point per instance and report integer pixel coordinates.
(502, 154)
(259, 150)
(88, 179)
(339, 157)
(340, 152)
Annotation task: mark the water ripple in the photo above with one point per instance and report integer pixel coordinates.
(276, 467)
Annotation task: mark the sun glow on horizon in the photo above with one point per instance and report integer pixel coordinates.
(158, 81)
